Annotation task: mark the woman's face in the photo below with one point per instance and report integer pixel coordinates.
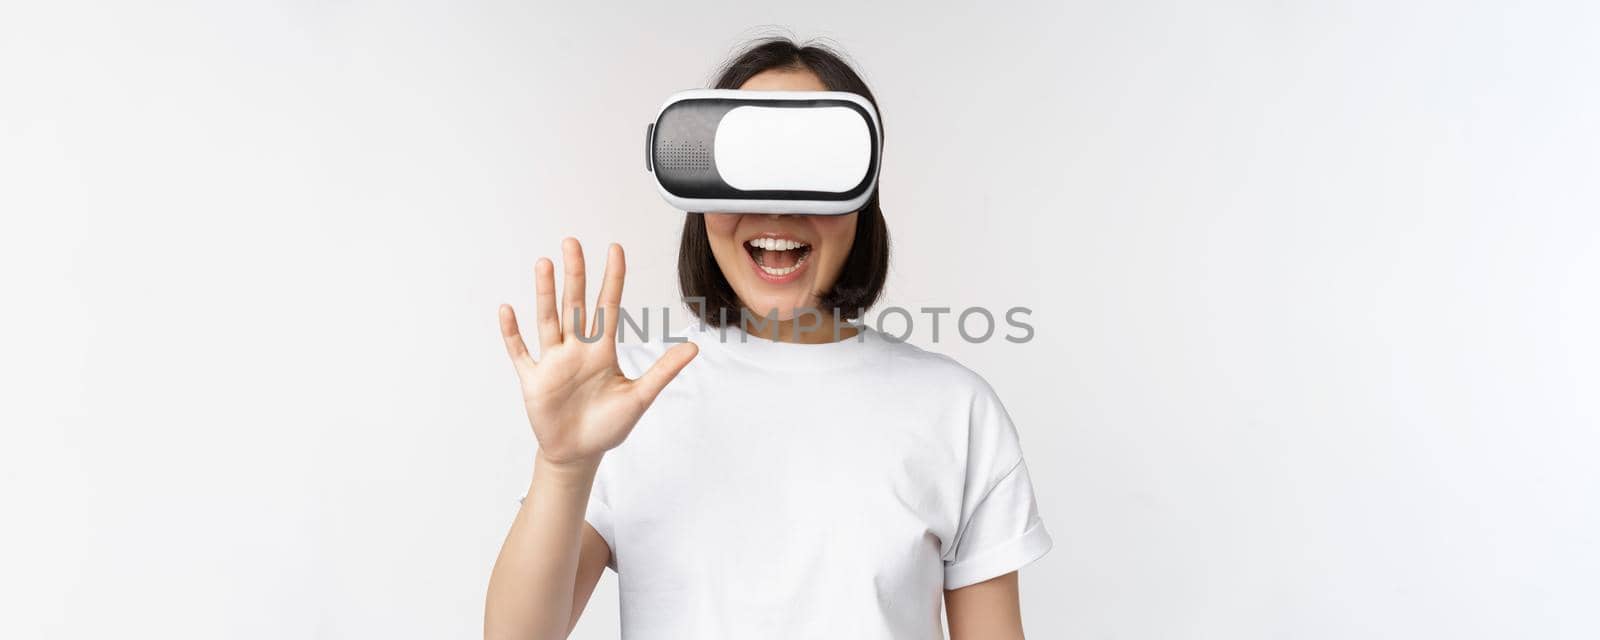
(780, 263)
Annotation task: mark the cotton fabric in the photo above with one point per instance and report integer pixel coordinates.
(780, 490)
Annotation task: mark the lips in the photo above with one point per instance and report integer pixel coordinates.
(777, 258)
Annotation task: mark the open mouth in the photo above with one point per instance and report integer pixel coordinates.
(777, 257)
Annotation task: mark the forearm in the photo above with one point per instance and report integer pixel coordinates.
(531, 587)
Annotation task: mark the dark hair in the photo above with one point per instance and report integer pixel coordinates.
(861, 279)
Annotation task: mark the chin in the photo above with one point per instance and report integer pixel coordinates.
(786, 308)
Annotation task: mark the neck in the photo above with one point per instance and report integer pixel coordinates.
(804, 329)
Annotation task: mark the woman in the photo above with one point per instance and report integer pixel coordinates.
(802, 479)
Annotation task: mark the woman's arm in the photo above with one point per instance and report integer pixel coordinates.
(988, 610)
(580, 406)
(550, 561)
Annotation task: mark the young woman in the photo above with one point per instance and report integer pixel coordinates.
(801, 479)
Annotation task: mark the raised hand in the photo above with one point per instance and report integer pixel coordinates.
(579, 402)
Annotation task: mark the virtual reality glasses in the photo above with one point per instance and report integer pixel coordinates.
(794, 152)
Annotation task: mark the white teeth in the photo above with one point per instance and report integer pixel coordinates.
(779, 244)
(776, 244)
(783, 271)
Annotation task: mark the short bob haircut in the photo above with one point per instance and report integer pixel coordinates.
(861, 279)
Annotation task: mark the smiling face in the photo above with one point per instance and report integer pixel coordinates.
(781, 263)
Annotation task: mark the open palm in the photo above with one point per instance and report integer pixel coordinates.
(579, 402)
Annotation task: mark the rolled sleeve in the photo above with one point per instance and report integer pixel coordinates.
(1003, 533)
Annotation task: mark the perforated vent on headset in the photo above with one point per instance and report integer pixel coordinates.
(683, 155)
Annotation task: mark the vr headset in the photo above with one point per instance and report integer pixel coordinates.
(793, 152)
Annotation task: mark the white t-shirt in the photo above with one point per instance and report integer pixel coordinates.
(780, 490)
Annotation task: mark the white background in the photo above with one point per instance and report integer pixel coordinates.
(1315, 287)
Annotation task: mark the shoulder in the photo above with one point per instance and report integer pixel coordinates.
(990, 435)
(935, 369)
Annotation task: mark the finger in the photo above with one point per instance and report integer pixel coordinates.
(649, 385)
(572, 311)
(515, 347)
(609, 307)
(544, 285)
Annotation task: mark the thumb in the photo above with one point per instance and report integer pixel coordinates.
(649, 385)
